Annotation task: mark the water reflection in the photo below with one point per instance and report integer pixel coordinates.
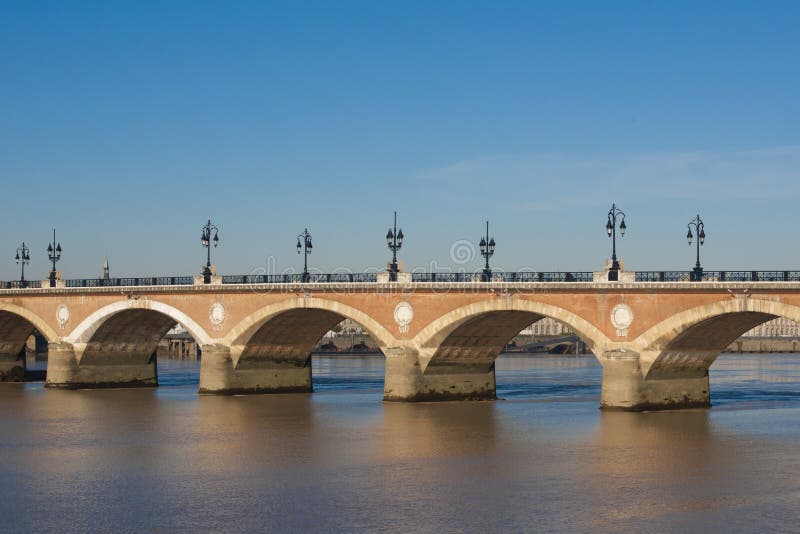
(428, 430)
(339, 459)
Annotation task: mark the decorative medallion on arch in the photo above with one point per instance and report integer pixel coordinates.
(217, 315)
(403, 315)
(622, 319)
(62, 315)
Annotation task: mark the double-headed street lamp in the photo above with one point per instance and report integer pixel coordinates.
(611, 230)
(54, 254)
(206, 240)
(487, 251)
(304, 244)
(699, 227)
(22, 258)
(394, 239)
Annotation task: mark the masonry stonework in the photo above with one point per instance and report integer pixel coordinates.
(440, 339)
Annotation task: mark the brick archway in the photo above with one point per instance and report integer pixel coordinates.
(84, 332)
(242, 333)
(691, 340)
(37, 322)
(519, 312)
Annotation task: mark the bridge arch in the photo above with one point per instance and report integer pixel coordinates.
(687, 343)
(116, 345)
(479, 331)
(31, 317)
(16, 325)
(270, 350)
(86, 330)
(323, 310)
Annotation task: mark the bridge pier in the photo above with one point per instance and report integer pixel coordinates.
(118, 370)
(462, 381)
(221, 375)
(625, 388)
(403, 375)
(62, 365)
(12, 366)
(405, 380)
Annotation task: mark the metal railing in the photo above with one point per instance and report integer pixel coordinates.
(418, 277)
(718, 276)
(297, 278)
(17, 284)
(523, 276)
(131, 281)
(663, 276)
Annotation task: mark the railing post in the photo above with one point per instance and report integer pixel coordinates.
(785, 276)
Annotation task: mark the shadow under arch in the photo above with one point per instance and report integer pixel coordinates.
(84, 332)
(116, 345)
(244, 331)
(16, 325)
(479, 331)
(32, 318)
(270, 350)
(686, 344)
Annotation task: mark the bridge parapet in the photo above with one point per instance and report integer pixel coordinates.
(141, 286)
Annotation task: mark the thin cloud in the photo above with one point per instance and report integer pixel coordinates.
(763, 173)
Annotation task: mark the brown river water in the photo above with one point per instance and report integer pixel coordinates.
(544, 458)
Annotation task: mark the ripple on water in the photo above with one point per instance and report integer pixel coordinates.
(545, 460)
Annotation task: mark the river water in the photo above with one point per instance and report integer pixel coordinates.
(543, 459)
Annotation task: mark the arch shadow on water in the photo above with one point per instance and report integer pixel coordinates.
(764, 380)
(348, 372)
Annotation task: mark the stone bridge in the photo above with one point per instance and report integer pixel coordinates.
(655, 340)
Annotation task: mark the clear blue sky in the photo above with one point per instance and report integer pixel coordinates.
(127, 124)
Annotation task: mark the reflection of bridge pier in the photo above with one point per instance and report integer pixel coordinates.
(655, 340)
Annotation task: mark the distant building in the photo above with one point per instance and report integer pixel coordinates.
(780, 327)
(546, 327)
(346, 328)
(179, 344)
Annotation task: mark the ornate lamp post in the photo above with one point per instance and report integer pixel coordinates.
(487, 251)
(54, 254)
(699, 227)
(22, 258)
(394, 239)
(611, 230)
(206, 240)
(304, 244)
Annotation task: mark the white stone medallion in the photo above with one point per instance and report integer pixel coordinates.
(217, 315)
(62, 315)
(622, 318)
(403, 314)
